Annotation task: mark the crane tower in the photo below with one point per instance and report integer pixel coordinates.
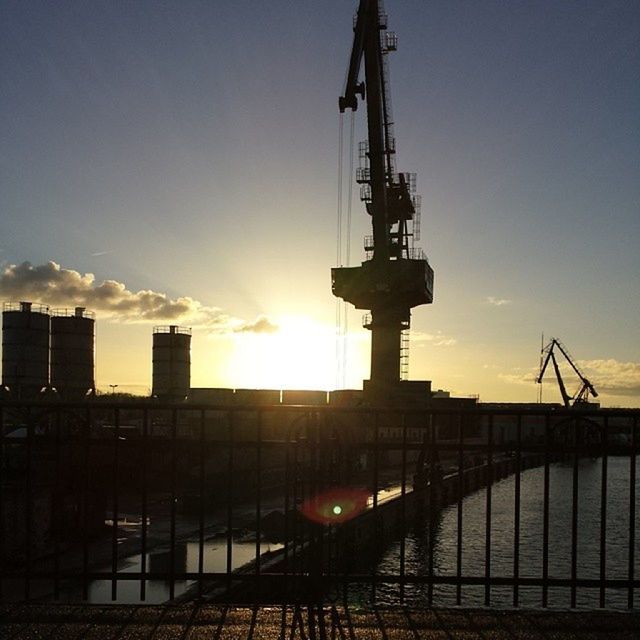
(396, 276)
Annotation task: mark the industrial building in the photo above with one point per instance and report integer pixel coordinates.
(171, 362)
(43, 350)
(72, 352)
(25, 348)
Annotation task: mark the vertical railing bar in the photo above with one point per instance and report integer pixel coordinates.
(230, 461)
(318, 485)
(57, 509)
(489, 480)
(461, 476)
(28, 510)
(632, 510)
(143, 515)
(376, 441)
(433, 474)
(2, 481)
(296, 500)
(258, 491)
(403, 510)
(287, 501)
(115, 504)
(376, 479)
(86, 434)
(574, 514)
(201, 485)
(516, 513)
(545, 516)
(603, 513)
(172, 531)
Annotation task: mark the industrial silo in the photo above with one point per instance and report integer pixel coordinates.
(72, 352)
(25, 347)
(171, 362)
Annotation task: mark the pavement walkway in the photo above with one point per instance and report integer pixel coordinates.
(215, 622)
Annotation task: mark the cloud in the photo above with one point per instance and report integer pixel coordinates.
(262, 324)
(437, 339)
(612, 377)
(53, 285)
(528, 378)
(497, 302)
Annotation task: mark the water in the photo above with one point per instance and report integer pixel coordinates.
(531, 539)
(186, 560)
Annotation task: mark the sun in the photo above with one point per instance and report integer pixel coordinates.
(300, 355)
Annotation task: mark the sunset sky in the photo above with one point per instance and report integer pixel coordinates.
(176, 162)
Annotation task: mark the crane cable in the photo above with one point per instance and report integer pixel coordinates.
(343, 245)
(348, 246)
(339, 253)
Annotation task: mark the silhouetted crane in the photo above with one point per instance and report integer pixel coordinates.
(586, 388)
(396, 276)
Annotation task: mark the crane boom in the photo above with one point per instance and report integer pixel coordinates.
(566, 398)
(366, 43)
(586, 388)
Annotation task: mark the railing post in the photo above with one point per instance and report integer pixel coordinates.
(143, 511)
(489, 482)
(545, 515)
(632, 510)
(115, 496)
(201, 489)
(577, 442)
(86, 435)
(403, 510)
(230, 485)
(603, 512)
(3, 474)
(173, 498)
(461, 481)
(57, 508)
(258, 499)
(516, 513)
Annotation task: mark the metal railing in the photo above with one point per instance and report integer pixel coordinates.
(127, 501)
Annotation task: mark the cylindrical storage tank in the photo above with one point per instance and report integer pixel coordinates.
(72, 351)
(171, 362)
(25, 347)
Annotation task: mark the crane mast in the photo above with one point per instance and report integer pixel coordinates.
(396, 277)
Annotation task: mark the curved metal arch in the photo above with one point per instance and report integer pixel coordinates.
(593, 428)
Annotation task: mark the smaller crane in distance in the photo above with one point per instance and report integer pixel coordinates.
(582, 395)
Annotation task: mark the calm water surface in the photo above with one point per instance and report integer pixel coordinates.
(531, 536)
(186, 560)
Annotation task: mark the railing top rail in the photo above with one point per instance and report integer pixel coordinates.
(154, 404)
(172, 328)
(27, 307)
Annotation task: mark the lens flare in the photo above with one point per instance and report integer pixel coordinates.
(335, 505)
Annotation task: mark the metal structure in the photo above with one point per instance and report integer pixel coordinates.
(581, 396)
(72, 352)
(396, 276)
(202, 473)
(25, 347)
(171, 362)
